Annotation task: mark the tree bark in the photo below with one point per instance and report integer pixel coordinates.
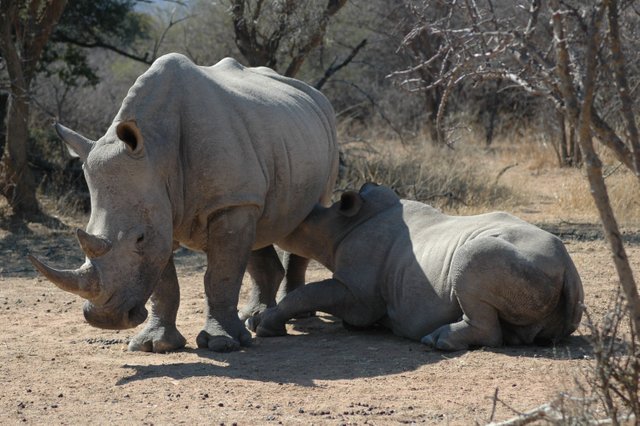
(4, 105)
(563, 145)
(333, 6)
(608, 137)
(618, 65)
(594, 172)
(23, 35)
(18, 184)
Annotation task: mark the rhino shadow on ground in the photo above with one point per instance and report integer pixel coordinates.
(569, 348)
(333, 353)
(57, 245)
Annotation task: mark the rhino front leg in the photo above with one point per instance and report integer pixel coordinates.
(330, 296)
(231, 234)
(266, 274)
(160, 334)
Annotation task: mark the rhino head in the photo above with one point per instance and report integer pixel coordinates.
(128, 241)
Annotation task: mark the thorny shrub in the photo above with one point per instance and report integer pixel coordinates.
(613, 383)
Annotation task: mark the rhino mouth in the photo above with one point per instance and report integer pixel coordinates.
(115, 320)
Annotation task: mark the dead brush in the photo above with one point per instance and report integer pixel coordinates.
(608, 391)
(613, 382)
(566, 188)
(438, 176)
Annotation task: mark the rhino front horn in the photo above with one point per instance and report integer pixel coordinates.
(92, 245)
(83, 281)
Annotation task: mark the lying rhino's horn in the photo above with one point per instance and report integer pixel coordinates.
(92, 245)
(83, 281)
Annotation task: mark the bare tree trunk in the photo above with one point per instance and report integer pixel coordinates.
(623, 86)
(18, 184)
(333, 6)
(608, 137)
(4, 104)
(594, 172)
(492, 113)
(17, 179)
(432, 102)
(25, 28)
(575, 154)
(563, 152)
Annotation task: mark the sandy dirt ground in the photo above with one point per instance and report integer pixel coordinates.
(56, 369)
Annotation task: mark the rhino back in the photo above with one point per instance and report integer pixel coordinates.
(436, 237)
(240, 136)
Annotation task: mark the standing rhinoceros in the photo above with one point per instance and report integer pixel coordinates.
(223, 159)
(451, 282)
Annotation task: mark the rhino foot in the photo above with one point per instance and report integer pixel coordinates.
(157, 339)
(435, 341)
(460, 336)
(266, 324)
(216, 339)
(249, 310)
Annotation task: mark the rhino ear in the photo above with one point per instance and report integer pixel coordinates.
(350, 203)
(129, 133)
(77, 145)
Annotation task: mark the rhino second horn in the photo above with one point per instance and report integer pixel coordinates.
(92, 245)
(83, 281)
(78, 145)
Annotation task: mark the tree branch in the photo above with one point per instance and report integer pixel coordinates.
(39, 34)
(333, 6)
(101, 44)
(618, 64)
(335, 68)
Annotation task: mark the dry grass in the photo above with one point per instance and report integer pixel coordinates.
(518, 174)
(446, 178)
(565, 191)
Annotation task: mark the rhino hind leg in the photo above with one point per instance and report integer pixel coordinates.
(465, 334)
(504, 297)
(330, 296)
(160, 334)
(266, 273)
(296, 268)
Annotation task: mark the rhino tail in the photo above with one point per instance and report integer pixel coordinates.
(573, 296)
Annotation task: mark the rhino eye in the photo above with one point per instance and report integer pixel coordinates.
(140, 240)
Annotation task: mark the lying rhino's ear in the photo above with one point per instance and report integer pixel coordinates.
(350, 203)
(129, 133)
(77, 145)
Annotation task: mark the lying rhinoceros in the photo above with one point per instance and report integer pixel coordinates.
(223, 159)
(451, 282)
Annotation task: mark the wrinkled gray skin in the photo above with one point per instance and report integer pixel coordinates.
(450, 282)
(223, 159)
